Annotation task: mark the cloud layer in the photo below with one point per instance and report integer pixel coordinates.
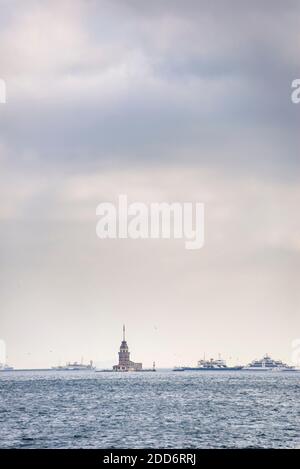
(164, 101)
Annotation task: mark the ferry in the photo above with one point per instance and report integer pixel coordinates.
(75, 367)
(209, 365)
(268, 364)
(5, 367)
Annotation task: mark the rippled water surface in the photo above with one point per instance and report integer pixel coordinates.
(153, 410)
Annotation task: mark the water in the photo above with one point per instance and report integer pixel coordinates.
(149, 410)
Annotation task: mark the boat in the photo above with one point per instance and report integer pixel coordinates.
(5, 367)
(209, 365)
(268, 364)
(75, 366)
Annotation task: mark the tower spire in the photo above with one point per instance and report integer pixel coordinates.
(123, 332)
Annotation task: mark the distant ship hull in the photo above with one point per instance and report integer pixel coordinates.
(209, 365)
(67, 368)
(75, 367)
(268, 370)
(5, 368)
(268, 364)
(228, 368)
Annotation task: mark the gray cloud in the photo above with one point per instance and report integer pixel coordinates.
(163, 100)
(126, 80)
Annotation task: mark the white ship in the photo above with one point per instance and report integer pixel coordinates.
(209, 365)
(75, 367)
(5, 367)
(268, 364)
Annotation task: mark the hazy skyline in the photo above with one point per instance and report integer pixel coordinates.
(165, 101)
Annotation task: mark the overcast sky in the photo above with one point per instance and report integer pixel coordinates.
(164, 101)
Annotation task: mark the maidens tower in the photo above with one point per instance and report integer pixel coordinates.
(125, 364)
(124, 354)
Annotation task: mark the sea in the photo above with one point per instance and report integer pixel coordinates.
(149, 410)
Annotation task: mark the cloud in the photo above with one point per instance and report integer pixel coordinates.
(100, 82)
(164, 101)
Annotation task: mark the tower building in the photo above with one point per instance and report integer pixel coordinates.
(125, 364)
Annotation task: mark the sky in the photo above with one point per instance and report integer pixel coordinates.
(165, 101)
